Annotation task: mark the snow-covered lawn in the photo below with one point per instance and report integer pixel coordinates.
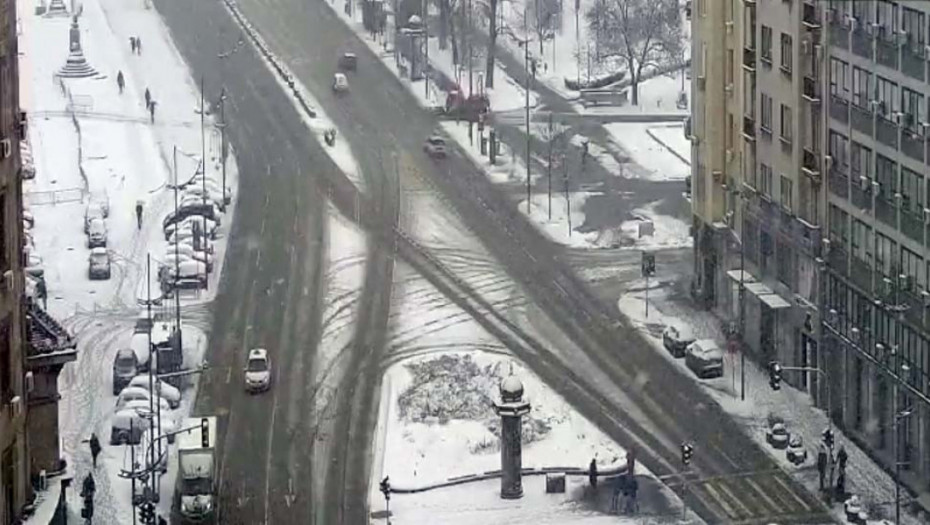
(655, 158)
(507, 169)
(125, 159)
(864, 477)
(668, 232)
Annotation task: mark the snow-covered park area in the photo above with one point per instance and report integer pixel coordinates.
(95, 143)
(660, 149)
(865, 478)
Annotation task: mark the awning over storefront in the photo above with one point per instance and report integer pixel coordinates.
(735, 275)
(774, 301)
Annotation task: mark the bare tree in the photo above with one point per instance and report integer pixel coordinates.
(545, 20)
(642, 33)
(491, 13)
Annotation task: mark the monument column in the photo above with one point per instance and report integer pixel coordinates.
(511, 408)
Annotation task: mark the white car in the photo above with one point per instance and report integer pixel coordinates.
(169, 393)
(136, 393)
(186, 250)
(340, 83)
(258, 371)
(142, 406)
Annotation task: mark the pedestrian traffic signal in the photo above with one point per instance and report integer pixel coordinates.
(828, 438)
(775, 375)
(147, 512)
(687, 450)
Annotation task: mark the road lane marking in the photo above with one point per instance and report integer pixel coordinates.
(726, 490)
(775, 506)
(263, 224)
(258, 260)
(720, 501)
(788, 489)
(228, 375)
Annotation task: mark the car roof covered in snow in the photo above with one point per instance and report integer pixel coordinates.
(258, 353)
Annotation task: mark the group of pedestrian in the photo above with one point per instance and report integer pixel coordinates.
(624, 490)
(135, 44)
(827, 466)
(150, 104)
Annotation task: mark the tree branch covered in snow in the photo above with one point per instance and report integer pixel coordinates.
(642, 33)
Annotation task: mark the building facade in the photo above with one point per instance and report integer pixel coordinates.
(812, 215)
(33, 347)
(877, 293)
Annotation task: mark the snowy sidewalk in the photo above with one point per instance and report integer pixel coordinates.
(864, 477)
(91, 142)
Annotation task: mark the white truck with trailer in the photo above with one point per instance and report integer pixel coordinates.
(195, 493)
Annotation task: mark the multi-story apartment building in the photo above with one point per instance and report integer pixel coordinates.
(33, 347)
(810, 130)
(877, 293)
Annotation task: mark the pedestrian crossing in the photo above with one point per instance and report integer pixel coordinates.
(760, 497)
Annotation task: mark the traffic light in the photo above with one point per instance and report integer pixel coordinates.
(828, 438)
(649, 264)
(775, 375)
(147, 512)
(687, 450)
(205, 433)
(386, 487)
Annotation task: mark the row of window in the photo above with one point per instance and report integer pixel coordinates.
(890, 17)
(785, 118)
(880, 252)
(761, 247)
(786, 49)
(877, 327)
(850, 157)
(766, 185)
(862, 88)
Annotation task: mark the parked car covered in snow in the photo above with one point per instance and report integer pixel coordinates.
(94, 210)
(188, 270)
(704, 358)
(127, 427)
(139, 343)
(98, 264)
(194, 208)
(169, 393)
(142, 406)
(125, 367)
(195, 224)
(97, 234)
(676, 339)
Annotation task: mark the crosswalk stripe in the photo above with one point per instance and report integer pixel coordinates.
(716, 496)
(801, 501)
(739, 502)
(775, 506)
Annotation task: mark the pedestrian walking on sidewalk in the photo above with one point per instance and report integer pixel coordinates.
(152, 110)
(138, 46)
(94, 448)
(592, 476)
(120, 82)
(148, 98)
(822, 464)
(132, 44)
(842, 457)
(139, 214)
(89, 487)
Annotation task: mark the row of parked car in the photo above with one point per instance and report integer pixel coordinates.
(95, 228)
(151, 349)
(189, 256)
(703, 357)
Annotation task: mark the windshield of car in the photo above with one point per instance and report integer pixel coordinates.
(257, 365)
(437, 141)
(97, 227)
(98, 258)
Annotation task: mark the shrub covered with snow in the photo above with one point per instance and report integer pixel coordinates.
(456, 387)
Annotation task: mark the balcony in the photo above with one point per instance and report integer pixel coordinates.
(749, 128)
(913, 60)
(861, 198)
(839, 109)
(49, 344)
(862, 120)
(912, 144)
(886, 132)
(811, 91)
(861, 273)
(912, 225)
(839, 183)
(809, 16)
(886, 51)
(862, 43)
(810, 165)
(839, 31)
(749, 59)
(837, 257)
(885, 211)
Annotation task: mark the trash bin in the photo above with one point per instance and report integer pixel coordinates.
(555, 483)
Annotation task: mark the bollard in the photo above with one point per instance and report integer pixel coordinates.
(493, 145)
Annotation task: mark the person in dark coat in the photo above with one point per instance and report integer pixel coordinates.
(94, 448)
(89, 487)
(138, 46)
(822, 464)
(139, 214)
(632, 488)
(842, 457)
(120, 82)
(592, 475)
(148, 98)
(841, 484)
(152, 110)
(132, 44)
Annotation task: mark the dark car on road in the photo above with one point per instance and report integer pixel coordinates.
(435, 147)
(348, 62)
(98, 264)
(125, 367)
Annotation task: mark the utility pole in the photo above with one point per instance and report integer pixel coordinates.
(177, 255)
(203, 162)
(152, 365)
(426, 65)
(549, 165)
(526, 72)
(468, 33)
(224, 147)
